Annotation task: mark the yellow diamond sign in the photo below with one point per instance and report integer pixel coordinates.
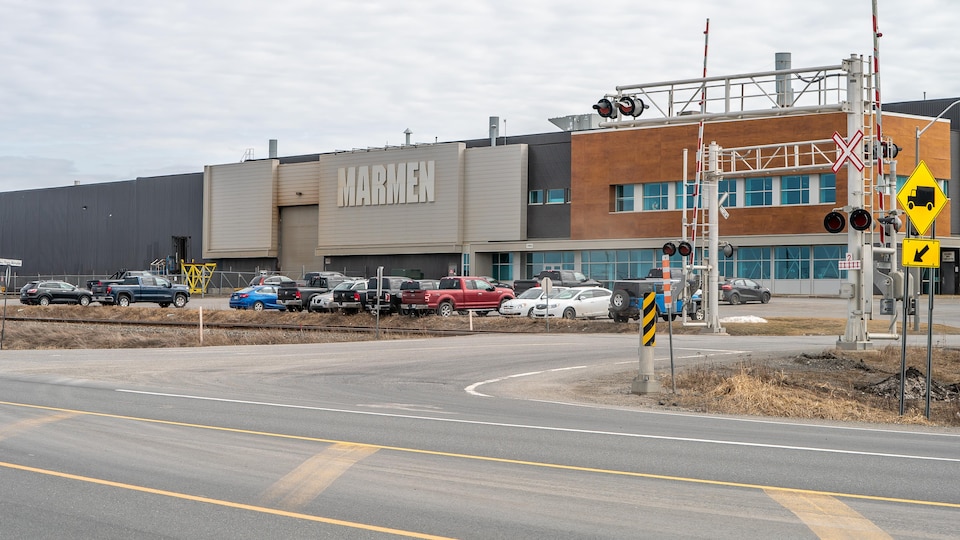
(922, 198)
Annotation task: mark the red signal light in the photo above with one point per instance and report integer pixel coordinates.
(834, 222)
(631, 106)
(605, 108)
(860, 219)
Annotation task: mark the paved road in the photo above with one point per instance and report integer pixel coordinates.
(427, 438)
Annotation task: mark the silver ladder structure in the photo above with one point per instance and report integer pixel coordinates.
(840, 88)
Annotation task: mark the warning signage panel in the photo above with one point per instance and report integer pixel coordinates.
(921, 198)
(921, 252)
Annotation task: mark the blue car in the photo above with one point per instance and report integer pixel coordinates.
(257, 298)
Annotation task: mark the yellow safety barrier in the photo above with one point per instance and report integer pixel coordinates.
(198, 275)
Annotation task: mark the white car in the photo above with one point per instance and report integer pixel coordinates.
(321, 302)
(523, 304)
(587, 302)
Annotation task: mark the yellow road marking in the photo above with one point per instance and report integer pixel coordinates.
(218, 502)
(827, 517)
(24, 425)
(494, 459)
(306, 482)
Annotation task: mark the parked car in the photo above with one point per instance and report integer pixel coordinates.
(276, 279)
(575, 302)
(389, 294)
(408, 292)
(739, 290)
(350, 299)
(257, 298)
(523, 305)
(326, 302)
(43, 293)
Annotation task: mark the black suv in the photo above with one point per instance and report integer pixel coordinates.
(390, 294)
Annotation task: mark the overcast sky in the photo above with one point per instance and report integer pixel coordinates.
(97, 90)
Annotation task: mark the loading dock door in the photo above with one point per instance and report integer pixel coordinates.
(299, 226)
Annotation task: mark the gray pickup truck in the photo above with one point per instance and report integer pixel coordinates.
(152, 289)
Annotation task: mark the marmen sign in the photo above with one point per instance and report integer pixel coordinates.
(393, 183)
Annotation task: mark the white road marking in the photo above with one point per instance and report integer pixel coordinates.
(549, 428)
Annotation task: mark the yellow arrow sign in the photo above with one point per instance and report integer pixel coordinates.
(922, 198)
(921, 252)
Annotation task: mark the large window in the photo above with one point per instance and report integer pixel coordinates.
(656, 196)
(548, 260)
(795, 189)
(624, 198)
(502, 266)
(825, 261)
(691, 200)
(753, 262)
(758, 192)
(609, 265)
(728, 188)
(828, 188)
(791, 262)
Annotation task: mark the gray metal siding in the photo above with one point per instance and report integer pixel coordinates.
(97, 228)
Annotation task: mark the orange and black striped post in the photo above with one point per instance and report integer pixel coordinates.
(646, 382)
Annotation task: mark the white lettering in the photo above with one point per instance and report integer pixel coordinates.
(363, 186)
(347, 187)
(393, 183)
(412, 182)
(379, 190)
(426, 180)
(396, 184)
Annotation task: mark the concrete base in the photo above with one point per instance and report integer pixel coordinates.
(855, 345)
(640, 386)
(718, 332)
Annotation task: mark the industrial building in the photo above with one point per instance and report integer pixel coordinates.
(601, 197)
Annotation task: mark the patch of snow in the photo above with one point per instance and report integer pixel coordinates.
(745, 319)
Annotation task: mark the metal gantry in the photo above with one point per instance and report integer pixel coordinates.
(840, 88)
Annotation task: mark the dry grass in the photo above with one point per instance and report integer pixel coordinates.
(833, 385)
(827, 386)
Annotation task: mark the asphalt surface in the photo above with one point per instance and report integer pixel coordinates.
(435, 438)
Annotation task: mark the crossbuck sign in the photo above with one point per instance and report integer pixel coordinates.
(846, 150)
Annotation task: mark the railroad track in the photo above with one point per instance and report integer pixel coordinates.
(298, 327)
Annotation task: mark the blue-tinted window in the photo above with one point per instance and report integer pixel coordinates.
(535, 197)
(795, 189)
(556, 196)
(792, 262)
(728, 188)
(656, 196)
(624, 198)
(758, 192)
(828, 188)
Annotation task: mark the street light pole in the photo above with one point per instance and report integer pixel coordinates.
(933, 272)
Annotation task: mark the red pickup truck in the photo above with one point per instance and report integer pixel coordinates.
(457, 294)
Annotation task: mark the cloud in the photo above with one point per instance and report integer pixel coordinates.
(112, 89)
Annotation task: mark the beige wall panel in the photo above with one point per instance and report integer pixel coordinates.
(495, 181)
(298, 240)
(408, 227)
(302, 178)
(240, 210)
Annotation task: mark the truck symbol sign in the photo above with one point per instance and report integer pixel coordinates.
(921, 196)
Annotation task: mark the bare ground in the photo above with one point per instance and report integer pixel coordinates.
(831, 385)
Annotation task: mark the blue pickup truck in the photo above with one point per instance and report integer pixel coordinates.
(627, 297)
(153, 289)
